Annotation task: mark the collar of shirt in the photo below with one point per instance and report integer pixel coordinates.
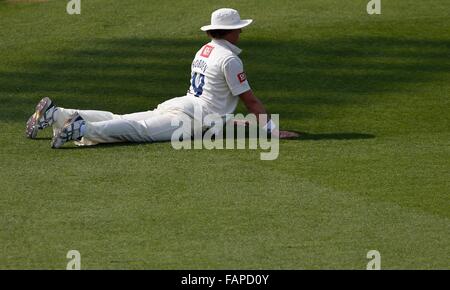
(222, 42)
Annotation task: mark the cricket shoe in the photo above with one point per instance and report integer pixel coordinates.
(71, 131)
(42, 118)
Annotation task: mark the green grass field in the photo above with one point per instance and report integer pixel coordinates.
(373, 172)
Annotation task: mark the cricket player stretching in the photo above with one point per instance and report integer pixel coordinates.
(217, 82)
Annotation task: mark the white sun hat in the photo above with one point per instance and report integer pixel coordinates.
(226, 18)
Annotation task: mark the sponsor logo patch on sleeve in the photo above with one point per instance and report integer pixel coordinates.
(207, 49)
(242, 77)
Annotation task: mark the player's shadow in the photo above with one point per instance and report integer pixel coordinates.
(103, 146)
(305, 136)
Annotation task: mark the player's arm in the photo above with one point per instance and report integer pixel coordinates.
(252, 103)
(239, 86)
(256, 107)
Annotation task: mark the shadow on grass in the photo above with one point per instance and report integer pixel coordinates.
(332, 136)
(297, 79)
(103, 146)
(304, 136)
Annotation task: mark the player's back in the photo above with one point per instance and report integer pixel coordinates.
(218, 77)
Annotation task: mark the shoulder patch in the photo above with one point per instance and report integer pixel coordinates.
(206, 52)
(242, 77)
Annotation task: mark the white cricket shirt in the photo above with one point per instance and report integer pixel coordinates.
(218, 76)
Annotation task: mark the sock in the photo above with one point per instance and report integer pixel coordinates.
(82, 129)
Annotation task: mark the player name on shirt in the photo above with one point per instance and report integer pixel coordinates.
(200, 64)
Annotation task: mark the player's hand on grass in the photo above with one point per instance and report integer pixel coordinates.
(281, 134)
(287, 134)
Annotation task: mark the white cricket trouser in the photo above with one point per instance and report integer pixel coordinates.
(149, 126)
